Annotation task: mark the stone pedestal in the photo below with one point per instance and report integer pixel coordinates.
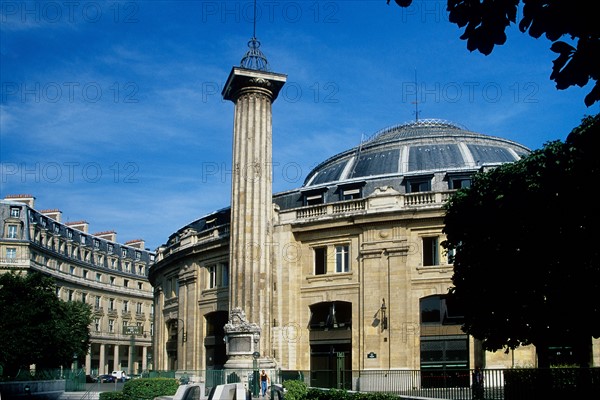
(242, 341)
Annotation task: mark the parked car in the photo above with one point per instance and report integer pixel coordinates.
(121, 376)
(90, 379)
(106, 378)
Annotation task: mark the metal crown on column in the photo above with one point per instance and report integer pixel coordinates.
(252, 88)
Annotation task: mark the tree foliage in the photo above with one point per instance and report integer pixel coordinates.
(38, 328)
(525, 236)
(485, 23)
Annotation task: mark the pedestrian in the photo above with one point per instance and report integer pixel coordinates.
(264, 382)
(185, 379)
(477, 384)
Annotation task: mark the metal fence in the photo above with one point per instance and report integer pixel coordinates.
(492, 384)
(486, 384)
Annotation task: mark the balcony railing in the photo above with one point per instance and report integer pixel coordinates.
(370, 204)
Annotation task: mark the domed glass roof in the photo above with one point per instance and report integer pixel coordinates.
(428, 145)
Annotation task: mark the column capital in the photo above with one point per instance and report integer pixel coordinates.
(239, 79)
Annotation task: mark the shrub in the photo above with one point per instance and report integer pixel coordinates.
(143, 389)
(112, 396)
(296, 390)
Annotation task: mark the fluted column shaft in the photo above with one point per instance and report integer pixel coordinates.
(251, 196)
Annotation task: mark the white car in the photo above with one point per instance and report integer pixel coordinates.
(120, 376)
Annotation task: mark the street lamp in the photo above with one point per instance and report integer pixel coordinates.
(183, 334)
(384, 320)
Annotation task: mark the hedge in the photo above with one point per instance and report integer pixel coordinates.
(143, 389)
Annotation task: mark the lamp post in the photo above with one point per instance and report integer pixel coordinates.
(182, 330)
(383, 310)
(255, 373)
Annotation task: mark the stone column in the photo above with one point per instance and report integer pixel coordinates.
(253, 93)
(116, 364)
(102, 362)
(144, 358)
(88, 360)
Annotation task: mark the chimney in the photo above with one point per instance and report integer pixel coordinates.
(54, 214)
(111, 236)
(137, 243)
(82, 226)
(22, 198)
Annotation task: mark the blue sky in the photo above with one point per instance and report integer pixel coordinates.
(111, 110)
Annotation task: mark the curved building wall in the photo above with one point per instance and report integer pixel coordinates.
(358, 268)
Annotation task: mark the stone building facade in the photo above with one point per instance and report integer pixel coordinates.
(358, 275)
(92, 268)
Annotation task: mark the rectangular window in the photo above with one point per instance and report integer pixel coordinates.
(418, 186)
(71, 294)
(126, 282)
(342, 258)
(140, 286)
(72, 270)
(97, 324)
(111, 325)
(313, 200)
(12, 231)
(212, 276)
(11, 253)
(451, 254)
(15, 212)
(85, 274)
(350, 194)
(96, 244)
(110, 248)
(460, 183)
(139, 308)
(431, 251)
(84, 297)
(138, 255)
(98, 277)
(112, 280)
(320, 260)
(97, 302)
(125, 306)
(111, 304)
(224, 275)
(124, 252)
